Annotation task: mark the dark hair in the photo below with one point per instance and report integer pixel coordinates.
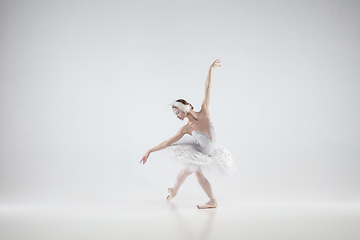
(183, 102)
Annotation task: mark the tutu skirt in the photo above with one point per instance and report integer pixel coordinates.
(218, 161)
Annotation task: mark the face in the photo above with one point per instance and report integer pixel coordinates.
(179, 114)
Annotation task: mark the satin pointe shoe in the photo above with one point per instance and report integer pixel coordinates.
(172, 194)
(210, 204)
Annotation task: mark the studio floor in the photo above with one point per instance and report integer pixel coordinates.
(180, 219)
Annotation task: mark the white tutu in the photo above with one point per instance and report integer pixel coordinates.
(201, 153)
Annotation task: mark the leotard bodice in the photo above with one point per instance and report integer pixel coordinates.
(205, 144)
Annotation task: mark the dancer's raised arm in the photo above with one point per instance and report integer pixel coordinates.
(206, 100)
(165, 144)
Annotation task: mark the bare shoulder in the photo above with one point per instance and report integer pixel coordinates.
(205, 109)
(204, 104)
(185, 130)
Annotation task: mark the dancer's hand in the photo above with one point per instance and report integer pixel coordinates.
(145, 157)
(215, 64)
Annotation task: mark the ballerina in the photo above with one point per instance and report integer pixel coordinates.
(203, 153)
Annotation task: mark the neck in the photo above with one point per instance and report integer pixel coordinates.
(192, 116)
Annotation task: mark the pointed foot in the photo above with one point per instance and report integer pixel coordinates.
(171, 195)
(210, 204)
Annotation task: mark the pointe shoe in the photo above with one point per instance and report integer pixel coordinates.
(210, 204)
(172, 194)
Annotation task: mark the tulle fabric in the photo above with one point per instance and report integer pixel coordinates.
(200, 153)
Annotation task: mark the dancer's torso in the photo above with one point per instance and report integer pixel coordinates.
(201, 124)
(204, 143)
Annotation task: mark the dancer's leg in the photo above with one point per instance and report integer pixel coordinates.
(206, 186)
(180, 178)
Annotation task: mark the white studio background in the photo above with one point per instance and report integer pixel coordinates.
(85, 88)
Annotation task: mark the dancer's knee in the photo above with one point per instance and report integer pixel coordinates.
(186, 171)
(198, 174)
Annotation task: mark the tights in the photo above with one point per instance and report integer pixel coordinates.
(204, 183)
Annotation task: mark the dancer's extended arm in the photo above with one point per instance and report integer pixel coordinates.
(165, 144)
(206, 101)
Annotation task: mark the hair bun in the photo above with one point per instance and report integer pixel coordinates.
(182, 104)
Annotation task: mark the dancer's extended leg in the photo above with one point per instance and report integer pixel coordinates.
(206, 186)
(180, 178)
